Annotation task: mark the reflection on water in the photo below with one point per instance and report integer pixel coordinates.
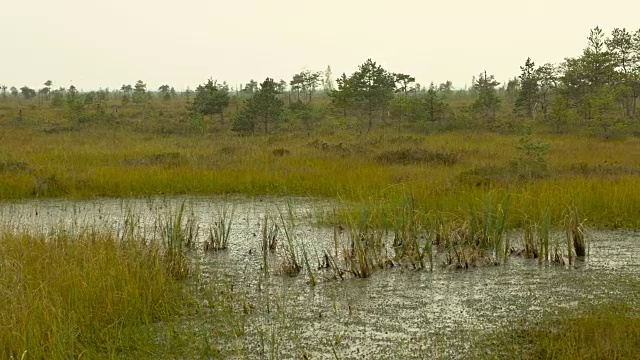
(396, 313)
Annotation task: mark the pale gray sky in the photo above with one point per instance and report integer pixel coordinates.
(94, 44)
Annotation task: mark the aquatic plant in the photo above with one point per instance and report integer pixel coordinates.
(221, 229)
(270, 232)
(574, 228)
(176, 238)
(366, 250)
(408, 235)
(290, 262)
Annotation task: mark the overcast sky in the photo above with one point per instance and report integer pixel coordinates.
(99, 44)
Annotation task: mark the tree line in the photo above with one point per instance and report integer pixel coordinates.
(598, 89)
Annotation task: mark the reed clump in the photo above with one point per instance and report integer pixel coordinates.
(221, 229)
(575, 230)
(412, 241)
(270, 231)
(290, 260)
(178, 233)
(366, 252)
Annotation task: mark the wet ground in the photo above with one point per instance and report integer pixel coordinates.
(396, 313)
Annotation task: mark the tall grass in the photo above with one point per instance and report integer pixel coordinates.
(89, 295)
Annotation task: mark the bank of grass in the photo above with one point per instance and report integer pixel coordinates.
(447, 172)
(84, 296)
(610, 331)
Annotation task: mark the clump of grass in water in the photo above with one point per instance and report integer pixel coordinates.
(219, 233)
(295, 253)
(529, 232)
(270, 231)
(367, 250)
(290, 262)
(462, 251)
(537, 239)
(407, 231)
(574, 227)
(292, 259)
(176, 238)
(468, 238)
(544, 236)
(494, 224)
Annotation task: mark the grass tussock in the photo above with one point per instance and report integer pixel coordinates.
(220, 230)
(90, 295)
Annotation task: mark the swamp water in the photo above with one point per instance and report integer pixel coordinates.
(398, 312)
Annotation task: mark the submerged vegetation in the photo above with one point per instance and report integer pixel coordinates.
(427, 178)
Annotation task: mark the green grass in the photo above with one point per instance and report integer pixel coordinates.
(609, 331)
(89, 295)
(95, 296)
(598, 177)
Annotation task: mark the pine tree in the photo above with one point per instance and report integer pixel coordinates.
(487, 104)
(529, 88)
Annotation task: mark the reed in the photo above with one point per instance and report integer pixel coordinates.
(574, 228)
(270, 232)
(290, 264)
(544, 235)
(221, 229)
(366, 250)
(269, 242)
(177, 238)
(530, 239)
(411, 240)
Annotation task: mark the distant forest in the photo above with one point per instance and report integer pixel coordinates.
(597, 91)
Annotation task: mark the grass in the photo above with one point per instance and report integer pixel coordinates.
(596, 176)
(221, 229)
(609, 331)
(89, 295)
(178, 233)
(96, 295)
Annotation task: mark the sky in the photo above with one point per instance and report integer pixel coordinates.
(105, 44)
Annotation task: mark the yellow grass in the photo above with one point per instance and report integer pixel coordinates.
(81, 296)
(599, 177)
